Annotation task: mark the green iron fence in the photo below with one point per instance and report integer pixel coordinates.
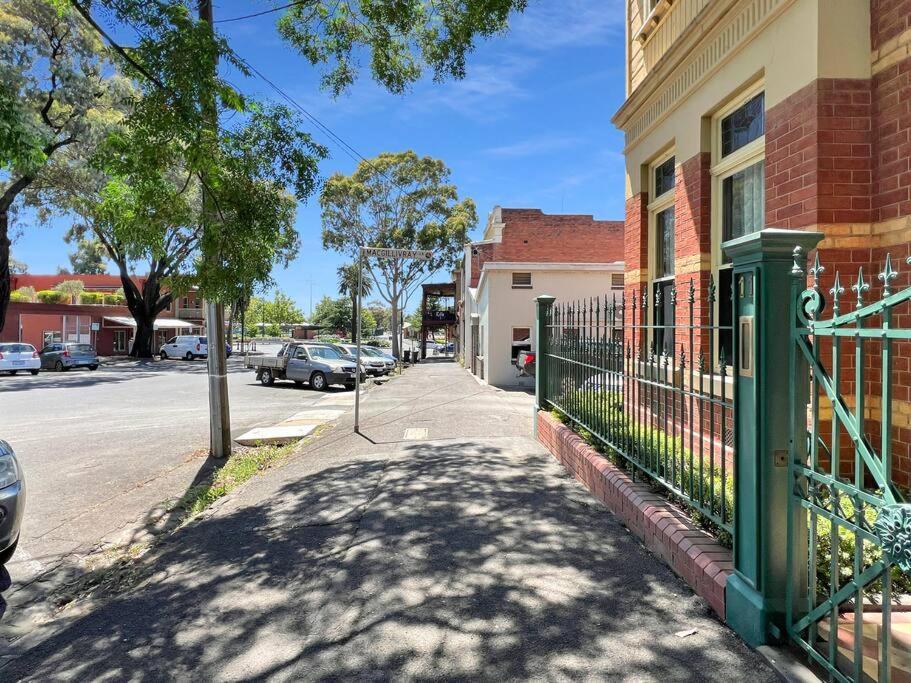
(648, 376)
(850, 547)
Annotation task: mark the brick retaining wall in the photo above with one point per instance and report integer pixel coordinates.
(664, 529)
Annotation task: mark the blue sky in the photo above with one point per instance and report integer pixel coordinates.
(528, 127)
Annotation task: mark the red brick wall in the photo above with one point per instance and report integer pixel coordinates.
(891, 121)
(888, 18)
(818, 155)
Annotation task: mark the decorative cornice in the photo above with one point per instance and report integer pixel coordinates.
(724, 27)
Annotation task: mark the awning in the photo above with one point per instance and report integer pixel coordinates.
(160, 323)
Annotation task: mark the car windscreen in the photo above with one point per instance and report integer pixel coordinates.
(17, 348)
(372, 353)
(323, 352)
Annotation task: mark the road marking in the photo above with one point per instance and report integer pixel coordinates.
(416, 433)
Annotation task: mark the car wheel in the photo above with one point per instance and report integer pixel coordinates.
(189, 356)
(7, 554)
(350, 386)
(163, 354)
(58, 366)
(34, 372)
(266, 378)
(93, 368)
(318, 381)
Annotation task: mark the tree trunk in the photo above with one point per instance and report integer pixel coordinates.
(4, 266)
(143, 341)
(396, 350)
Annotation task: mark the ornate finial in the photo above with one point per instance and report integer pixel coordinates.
(644, 298)
(657, 297)
(724, 361)
(682, 357)
(711, 288)
(860, 287)
(887, 276)
(817, 270)
(700, 363)
(674, 295)
(691, 297)
(836, 292)
(800, 260)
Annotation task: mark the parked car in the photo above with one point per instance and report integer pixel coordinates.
(316, 364)
(17, 356)
(525, 363)
(184, 346)
(61, 356)
(374, 362)
(12, 501)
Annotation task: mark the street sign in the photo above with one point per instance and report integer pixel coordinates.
(418, 254)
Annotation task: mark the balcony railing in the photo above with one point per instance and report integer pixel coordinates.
(440, 316)
(190, 313)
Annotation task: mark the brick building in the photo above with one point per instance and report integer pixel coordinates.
(742, 114)
(107, 327)
(525, 253)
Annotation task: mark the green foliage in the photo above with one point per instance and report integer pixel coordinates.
(90, 255)
(72, 288)
(116, 299)
(846, 545)
(662, 459)
(52, 296)
(19, 297)
(400, 39)
(396, 200)
(91, 298)
(337, 315)
(281, 311)
(25, 294)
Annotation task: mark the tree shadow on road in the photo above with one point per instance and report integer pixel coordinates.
(454, 562)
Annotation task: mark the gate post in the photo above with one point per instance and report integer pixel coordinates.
(764, 313)
(544, 306)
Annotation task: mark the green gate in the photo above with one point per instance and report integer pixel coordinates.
(849, 532)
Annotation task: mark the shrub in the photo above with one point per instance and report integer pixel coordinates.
(92, 298)
(73, 288)
(51, 296)
(114, 299)
(19, 297)
(25, 294)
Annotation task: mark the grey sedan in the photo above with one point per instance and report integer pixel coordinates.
(12, 501)
(65, 355)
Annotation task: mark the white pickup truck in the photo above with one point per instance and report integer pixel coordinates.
(315, 364)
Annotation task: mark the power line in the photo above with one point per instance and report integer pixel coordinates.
(267, 11)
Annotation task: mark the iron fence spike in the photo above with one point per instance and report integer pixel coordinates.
(816, 270)
(711, 297)
(860, 287)
(887, 276)
(692, 293)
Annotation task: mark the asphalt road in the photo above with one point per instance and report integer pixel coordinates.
(99, 449)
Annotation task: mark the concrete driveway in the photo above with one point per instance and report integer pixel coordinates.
(101, 448)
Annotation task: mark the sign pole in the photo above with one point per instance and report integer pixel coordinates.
(357, 331)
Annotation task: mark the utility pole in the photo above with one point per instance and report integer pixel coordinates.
(219, 410)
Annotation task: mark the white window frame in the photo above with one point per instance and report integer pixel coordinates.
(655, 206)
(722, 168)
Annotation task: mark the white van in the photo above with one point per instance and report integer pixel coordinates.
(188, 347)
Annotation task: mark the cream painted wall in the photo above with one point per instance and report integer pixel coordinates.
(787, 55)
(501, 308)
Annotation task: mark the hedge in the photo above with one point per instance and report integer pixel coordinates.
(51, 296)
(91, 298)
(20, 297)
(114, 300)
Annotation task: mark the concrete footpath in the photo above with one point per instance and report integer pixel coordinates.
(444, 543)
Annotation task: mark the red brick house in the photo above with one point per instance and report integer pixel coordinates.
(525, 253)
(743, 114)
(108, 327)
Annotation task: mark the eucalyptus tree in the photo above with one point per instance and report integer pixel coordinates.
(59, 94)
(396, 200)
